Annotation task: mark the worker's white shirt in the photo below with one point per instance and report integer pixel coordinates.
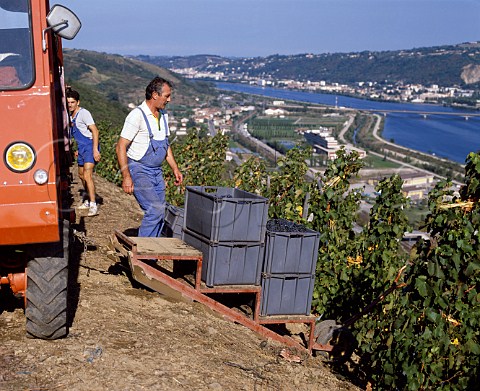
(135, 129)
(84, 119)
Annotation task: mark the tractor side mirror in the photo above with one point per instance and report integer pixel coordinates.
(63, 22)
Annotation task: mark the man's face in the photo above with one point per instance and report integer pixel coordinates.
(161, 99)
(72, 105)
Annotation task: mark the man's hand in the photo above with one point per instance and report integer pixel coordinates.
(96, 155)
(178, 177)
(127, 185)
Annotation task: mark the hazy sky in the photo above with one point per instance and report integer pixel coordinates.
(248, 28)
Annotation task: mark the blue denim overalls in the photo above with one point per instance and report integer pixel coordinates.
(148, 183)
(85, 144)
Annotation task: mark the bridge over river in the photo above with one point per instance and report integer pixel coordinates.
(425, 114)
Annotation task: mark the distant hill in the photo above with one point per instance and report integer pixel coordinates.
(196, 61)
(443, 65)
(122, 80)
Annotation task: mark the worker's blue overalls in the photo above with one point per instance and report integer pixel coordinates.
(148, 183)
(84, 144)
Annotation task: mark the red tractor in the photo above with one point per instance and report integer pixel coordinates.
(35, 211)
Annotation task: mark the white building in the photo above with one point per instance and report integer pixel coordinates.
(325, 144)
(274, 112)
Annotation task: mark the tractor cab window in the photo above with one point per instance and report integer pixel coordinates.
(16, 48)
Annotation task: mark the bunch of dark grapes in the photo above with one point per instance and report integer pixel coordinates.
(282, 225)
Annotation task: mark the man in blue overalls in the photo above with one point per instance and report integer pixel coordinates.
(141, 149)
(85, 133)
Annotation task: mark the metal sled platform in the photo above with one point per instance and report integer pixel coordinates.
(147, 258)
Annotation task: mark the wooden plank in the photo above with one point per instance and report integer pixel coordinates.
(170, 247)
(276, 319)
(164, 289)
(139, 275)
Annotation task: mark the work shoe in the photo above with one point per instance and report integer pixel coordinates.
(84, 205)
(92, 211)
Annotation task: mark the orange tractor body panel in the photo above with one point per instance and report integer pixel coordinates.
(28, 211)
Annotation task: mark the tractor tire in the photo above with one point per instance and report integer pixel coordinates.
(341, 338)
(46, 292)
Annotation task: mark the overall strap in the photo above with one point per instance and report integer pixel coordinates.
(148, 127)
(167, 130)
(74, 118)
(146, 121)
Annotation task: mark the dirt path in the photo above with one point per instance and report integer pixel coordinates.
(124, 337)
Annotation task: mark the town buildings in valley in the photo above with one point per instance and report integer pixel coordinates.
(394, 91)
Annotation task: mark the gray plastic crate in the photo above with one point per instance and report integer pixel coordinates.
(286, 294)
(224, 214)
(290, 248)
(173, 224)
(228, 263)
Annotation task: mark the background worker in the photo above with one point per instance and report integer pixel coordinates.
(85, 133)
(141, 150)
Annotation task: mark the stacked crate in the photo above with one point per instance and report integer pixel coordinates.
(288, 276)
(228, 225)
(173, 223)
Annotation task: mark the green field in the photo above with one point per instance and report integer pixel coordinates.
(267, 128)
(373, 161)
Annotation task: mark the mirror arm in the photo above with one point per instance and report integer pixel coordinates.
(44, 32)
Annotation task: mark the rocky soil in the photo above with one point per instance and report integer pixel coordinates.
(126, 337)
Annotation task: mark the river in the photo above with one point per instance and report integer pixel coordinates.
(448, 136)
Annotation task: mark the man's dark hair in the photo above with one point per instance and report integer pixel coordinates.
(72, 94)
(156, 85)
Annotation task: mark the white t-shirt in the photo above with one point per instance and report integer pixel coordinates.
(83, 120)
(135, 130)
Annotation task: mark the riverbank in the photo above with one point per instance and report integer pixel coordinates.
(416, 159)
(415, 166)
(391, 99)
(368, 138)
(440, 131)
